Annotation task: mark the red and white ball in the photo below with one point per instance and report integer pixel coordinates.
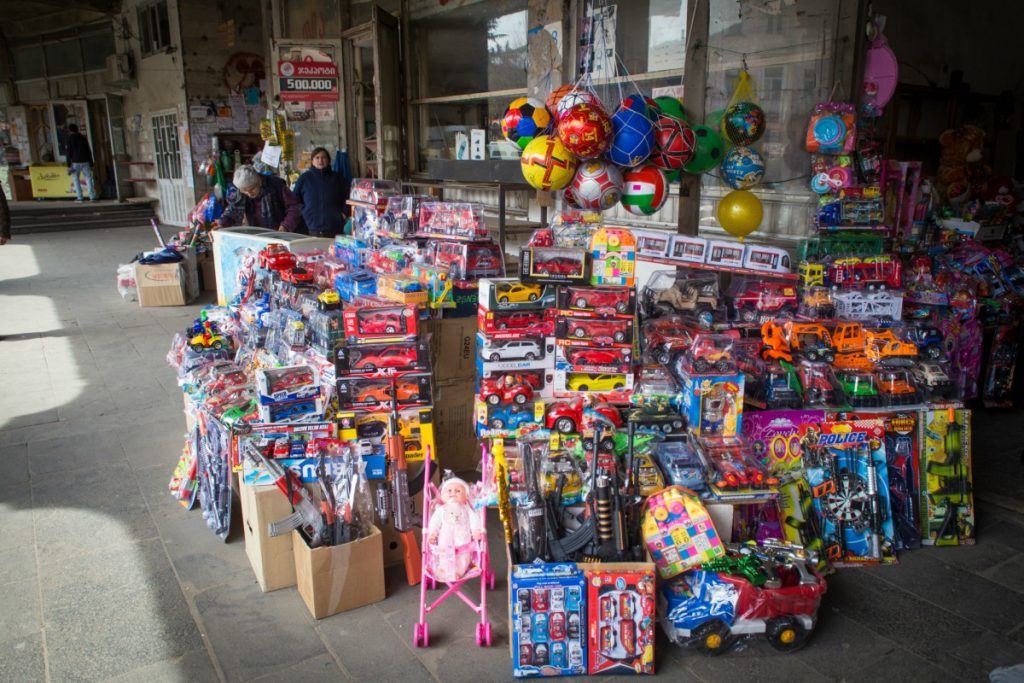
(675, 143)
(596, 185)
(573, 98)
(585, 130)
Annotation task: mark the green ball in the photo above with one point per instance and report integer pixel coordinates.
(672, 106)
(710, 150)
(674, 175)
(714, 119)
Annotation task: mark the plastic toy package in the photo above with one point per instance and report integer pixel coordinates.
(693, 296)
(775, 438)
(613, 257)
(451, 220)
(734, 472)
(548, 620)
(946, 491)
(845, 466)
(679, 532)
(620, 620)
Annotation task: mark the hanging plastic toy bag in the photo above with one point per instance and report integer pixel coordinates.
(833, 129)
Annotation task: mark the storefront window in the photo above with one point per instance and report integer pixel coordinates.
(63, 58)
(468, 63)
(633, 40)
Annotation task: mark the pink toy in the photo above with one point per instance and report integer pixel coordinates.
(455, 551)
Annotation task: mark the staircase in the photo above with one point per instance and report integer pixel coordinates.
(52, 216)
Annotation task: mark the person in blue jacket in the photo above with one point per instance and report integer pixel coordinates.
(322, 193)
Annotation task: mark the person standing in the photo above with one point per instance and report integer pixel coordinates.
(79, 156)
(5, 219)
(323, 193)
(263, 201)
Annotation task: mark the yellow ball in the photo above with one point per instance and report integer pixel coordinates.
(740, 213)
(547, 164)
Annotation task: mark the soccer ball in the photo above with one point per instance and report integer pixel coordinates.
(547, 164)
(572, 98)
(596, 185)
(743, 123)
(671, 106)
(633, 140)
(675, 143)
(709, 152)
(742, 168)
(525, 119)
(642, 105)
(644, 190)
(569, 197)
(585, 130)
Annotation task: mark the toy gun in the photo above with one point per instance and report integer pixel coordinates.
(531, 513)
(748, 565)
(786, 554)
(504, 502)
(806, 525)
(608, 509)
(306, 514)
(404, 517)
(875, 513)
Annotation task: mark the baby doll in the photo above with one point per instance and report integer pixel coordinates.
(453, 524)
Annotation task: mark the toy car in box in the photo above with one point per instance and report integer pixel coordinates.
(553, 264)
(584, 358)
(401, 217)
(372, 318)
(754, 299)
(289, 383)
(602, 301)
(511, 294)
(361, 392)
(734, 470)
(622, 606)
(452, 220)
(415, 424)
(548, 628)
(402, 289)
(355, 284)
(371, 359)
(467, 260)
(520, 322)
(770, 589)
(596, 331)
(694, 296)
(302, 410)
(508, 416)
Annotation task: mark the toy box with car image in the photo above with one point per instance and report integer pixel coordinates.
(584, 358)
(548, 620)
(734, 470)
(511, 324)
(301, 410)
(415, 424)
(596, 331)
(713, 404)
(597, 301)
(373, 317)
(287, 383)
(663, 339)
(508, 294)
(373, 359)
(621, 613)
(400, 219)
(350, 251)
(753, 299)
(451, 220)
(555, 265)
(508, 416)
(681, 465)
(467, 260)
(355, 284)
(403, 289)
(772, 385)
(520, 351)
(617, 385)
(363, 392)
(769, 589)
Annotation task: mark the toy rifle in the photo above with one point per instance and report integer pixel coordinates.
(306, 514)
(531, 513)
(404, 516)
(875, 513)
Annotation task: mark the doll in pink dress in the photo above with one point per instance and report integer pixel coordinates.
(453, 526)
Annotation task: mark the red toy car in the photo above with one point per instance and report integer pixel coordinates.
(482, 263)
(755, 299)
(498, 391)
(712, 351)
(617, 330)
(817, 385)
(375, 322)
(599, 299)
(663, 337)
(291, 379)
(276, 257)
(518, 320)
(568, 417)
(297, 276)
(559, 265)
(595, 357)
(389, 357)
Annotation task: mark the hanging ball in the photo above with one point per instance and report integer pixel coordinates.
(709, 153)
(675, 143)
(740, 213)
(671, 106)
(644, 190)
(633, 138)
(525, 119)
(597, 185)
(585, 130)
(743, 123)
(742, 168)
(547, 164)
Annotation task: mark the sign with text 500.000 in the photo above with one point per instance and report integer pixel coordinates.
(308, 81)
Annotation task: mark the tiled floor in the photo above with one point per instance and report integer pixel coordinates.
(105, 577)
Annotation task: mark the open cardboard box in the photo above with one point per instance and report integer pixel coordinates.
(339, 578)
(271, 558)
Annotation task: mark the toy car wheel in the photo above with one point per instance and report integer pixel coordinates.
(579, 333)
(748, 315)
(390, 329)
(198, 348)
(502, 326)
(620, 336)
(565, 425)
(621, 307)
(532, 296)
(497, 423)
(722, 366)
(494, 399)
(520, 399)
(581, 302)
(933, 352)
(700, 365)
(666, 428)
(619, 386)
(583, 387)
(503, 299)
(713, 638)
(531, 356)
(369, 366)
(495, 357)
(786, 634)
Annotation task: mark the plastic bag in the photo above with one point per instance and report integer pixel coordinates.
(832, 130)
(126, 286)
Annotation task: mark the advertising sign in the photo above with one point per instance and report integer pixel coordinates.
(308, 81)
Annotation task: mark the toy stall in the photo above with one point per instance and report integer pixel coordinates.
(675, 431)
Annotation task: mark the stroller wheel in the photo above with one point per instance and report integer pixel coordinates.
(417, 635)
(480, 634)
(487, 634)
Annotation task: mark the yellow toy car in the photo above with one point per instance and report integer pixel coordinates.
(517, 292)
(328, 300)
(586, 382)
(202, 342)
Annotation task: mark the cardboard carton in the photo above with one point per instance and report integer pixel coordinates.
(454, 425)
(271, 558)
(453, 347)
(208, 273)
(161, 284)
(339, 578)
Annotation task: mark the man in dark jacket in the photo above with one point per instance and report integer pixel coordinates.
(79, 157)
(263, 201)
(322, 193)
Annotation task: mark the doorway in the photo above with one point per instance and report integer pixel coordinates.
(175, 198)
(102, 159)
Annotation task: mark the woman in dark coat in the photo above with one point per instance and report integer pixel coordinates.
(322, 193)
(263, 201)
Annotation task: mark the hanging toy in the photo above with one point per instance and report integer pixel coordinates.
(743, 123)
(585, 130)
(671, 106)
(709, 153)
(740, 213)
(547, 164)
(633, 138)
(644, 190)
(525, 119)
(675, 143)
(597, 185)
(742, 168)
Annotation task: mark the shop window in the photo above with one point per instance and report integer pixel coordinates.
(154, 28)
(634, 41)
(28, 62)
(165, 146)
(95, 50)
(63, 57)
(468, 63)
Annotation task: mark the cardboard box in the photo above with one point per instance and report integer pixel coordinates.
(452, 347)
(161, 284)
(547, 620)
(271, 558)
(339, 578)
(457, 446)
(208, 274)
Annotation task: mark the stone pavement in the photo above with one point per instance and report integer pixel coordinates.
(104, 577)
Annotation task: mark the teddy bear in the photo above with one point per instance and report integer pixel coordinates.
(960, 160)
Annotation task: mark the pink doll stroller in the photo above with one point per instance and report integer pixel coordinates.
(454, 547)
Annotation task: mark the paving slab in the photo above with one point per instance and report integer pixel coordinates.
(14, 464)
(21, 615)
(193, 666)
(21, 658)
(315, 670)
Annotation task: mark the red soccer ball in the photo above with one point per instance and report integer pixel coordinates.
(675, 143)
(585, 130)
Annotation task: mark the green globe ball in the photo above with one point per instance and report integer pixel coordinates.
(671, 106)
(710, 150)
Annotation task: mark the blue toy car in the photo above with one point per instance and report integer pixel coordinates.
(681, 465)
(929, 341)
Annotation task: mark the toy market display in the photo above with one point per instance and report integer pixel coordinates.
(697, 448)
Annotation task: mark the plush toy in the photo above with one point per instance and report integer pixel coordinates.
(961, 152)
(453, 525)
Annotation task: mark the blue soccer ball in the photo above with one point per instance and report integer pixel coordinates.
(632, 140)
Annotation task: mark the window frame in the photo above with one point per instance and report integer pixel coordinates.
(166, 150)
(154, 28)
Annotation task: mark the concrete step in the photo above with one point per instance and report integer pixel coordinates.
(35, 219)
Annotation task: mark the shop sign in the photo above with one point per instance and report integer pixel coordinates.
(307, 81)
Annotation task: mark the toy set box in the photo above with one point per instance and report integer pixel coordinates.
(734, 472)
(291, 411)
(355, 284)
(615, 385)
(452, 220)
(577, 357)
(775, 437)
(613, 257)
(519, 353)
(597, 301)
(507, 416)
(401, 288)
(276, 385)
(947, 499)
(416, 426)
(553, 265)
(511, 294)
(621, 612)
(373, 318)
(713, 404)
(678, 531)
(362, 392)
(467, 260)
(381, 359)
(548, 620)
